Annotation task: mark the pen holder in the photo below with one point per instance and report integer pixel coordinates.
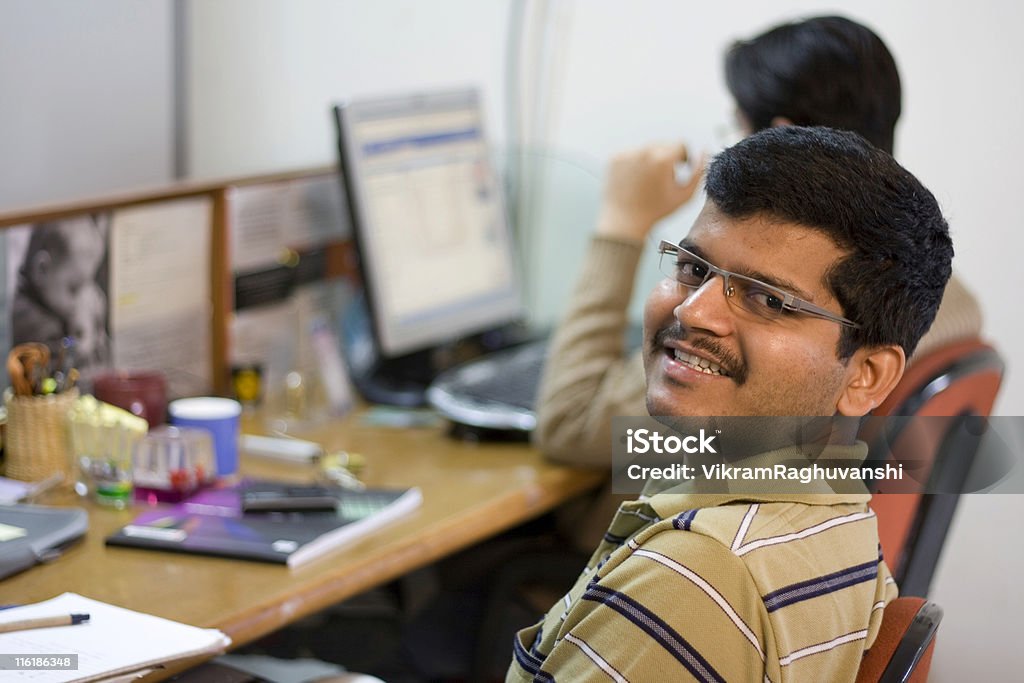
(37, 435)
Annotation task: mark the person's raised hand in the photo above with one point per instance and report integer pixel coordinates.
(642, 188)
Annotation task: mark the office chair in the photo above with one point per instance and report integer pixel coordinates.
(960, 381)
(522, 590)
(902, 651)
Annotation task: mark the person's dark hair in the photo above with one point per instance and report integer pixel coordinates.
(897, 242)
(50, 238)
(825, 71)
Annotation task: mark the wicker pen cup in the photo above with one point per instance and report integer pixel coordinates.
(37, 435)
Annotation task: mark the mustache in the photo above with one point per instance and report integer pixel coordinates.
(730, 362)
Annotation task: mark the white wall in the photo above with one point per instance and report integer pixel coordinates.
(978, 588)
(87, 98)
(263, 74)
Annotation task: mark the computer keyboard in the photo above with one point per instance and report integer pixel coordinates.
(498, 391)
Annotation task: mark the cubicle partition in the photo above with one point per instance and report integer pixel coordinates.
(192, 279)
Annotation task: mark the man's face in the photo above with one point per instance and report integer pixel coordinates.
(786, 366)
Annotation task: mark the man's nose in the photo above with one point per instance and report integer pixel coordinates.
(706, 308)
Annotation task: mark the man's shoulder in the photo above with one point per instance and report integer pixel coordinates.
(743, 585)
(763, 535)
(736, 523)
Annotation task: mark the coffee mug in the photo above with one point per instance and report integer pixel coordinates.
(140, 392)
(220, 417)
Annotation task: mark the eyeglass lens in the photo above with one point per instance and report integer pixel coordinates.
(750, 295)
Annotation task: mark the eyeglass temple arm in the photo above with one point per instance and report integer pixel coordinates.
(810, 309)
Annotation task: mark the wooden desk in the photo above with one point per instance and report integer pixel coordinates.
(470, 492)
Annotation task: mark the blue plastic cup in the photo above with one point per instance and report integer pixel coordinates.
(220, 417)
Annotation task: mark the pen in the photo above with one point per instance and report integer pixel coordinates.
(44, 622)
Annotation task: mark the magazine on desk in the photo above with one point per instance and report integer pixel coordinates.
(212, 523)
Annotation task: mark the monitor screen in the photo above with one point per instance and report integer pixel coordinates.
(429, 218)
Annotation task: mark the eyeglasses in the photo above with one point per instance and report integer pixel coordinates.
(753, 296)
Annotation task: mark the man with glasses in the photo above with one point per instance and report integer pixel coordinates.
(814, 268)
(822, 71)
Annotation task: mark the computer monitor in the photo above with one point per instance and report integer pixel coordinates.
(428, 213)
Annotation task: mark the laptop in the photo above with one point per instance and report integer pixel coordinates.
(31, 534)
(437, 258)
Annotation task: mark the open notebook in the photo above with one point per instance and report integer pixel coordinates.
(114, 640)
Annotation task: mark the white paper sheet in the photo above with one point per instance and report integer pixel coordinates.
(160, 291)
(113, 640)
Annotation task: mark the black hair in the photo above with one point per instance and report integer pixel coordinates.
(50, 238)
(824, 71)
(897, 242)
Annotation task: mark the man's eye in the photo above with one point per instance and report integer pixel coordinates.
(767, 300)
(691, 271)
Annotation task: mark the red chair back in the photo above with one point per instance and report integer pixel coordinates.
(903, 648)
(960, 379)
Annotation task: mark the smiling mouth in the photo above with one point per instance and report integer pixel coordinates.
(697, 363)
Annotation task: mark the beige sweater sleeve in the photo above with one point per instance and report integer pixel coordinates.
(587, 378)
(958, 317)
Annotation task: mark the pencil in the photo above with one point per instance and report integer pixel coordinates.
(44, 622)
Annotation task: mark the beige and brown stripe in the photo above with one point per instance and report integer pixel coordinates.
(719, 587)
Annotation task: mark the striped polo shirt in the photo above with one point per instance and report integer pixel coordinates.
(751, 586)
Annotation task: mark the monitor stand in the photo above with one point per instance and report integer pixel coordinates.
(404, 381)
(397, 382)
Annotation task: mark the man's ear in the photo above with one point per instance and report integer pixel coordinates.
(779, 121)
(871, 374)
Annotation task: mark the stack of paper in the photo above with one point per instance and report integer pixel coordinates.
(114, 640)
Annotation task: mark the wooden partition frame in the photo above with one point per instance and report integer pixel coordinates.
(221, 283)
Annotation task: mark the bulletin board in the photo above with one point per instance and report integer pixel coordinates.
(95, 286)
(291, 269)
